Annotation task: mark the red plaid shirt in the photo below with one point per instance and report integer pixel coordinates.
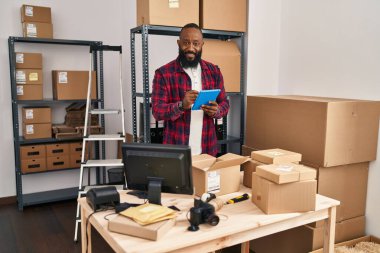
(170, 84)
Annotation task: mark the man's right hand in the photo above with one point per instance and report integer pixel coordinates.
(189, 99)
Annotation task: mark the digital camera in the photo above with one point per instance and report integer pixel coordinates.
(202, 212)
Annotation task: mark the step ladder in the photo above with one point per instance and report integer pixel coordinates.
(88, 137)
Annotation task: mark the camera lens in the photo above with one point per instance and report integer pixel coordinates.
(213, 220)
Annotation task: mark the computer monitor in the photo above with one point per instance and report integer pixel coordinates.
(158, 167)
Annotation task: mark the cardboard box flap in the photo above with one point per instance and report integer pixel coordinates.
(202, 157)
(228, 160)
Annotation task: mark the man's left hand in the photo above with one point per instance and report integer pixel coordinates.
(210, 109)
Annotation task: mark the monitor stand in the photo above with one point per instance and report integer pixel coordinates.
(154, 190)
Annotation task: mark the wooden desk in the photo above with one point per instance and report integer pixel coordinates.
(239, 223)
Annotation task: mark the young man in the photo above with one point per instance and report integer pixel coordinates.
(175, 88)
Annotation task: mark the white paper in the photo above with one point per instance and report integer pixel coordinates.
(275, 153)
(213, 181)
(173, 3)
(31, 30)
(29, 129)
(20, 90)
(284, 168)
(62, 77)
(20, 58)
(29, 114)
(29, 11)
(20, 77)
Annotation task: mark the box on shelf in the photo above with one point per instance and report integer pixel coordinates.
(326, 131)
(36, 115)
(274, 198)
(57, 162)
(226, 55)
(276, 156)
(353, 242)
(249, 167)
(33, 165)
(57, 149)
(286, 173)
(217, 175)
(29, 92)
(36, 130)
(31, 13)
(29, 76)
(167, 13)
(32, 152)
(37, 30)
(227, 15)
(72, 84)
(28, 60)
(75, 160)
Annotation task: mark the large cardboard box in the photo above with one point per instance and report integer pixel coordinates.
(33, 165)
(274, 198)
(29, 76)
(36, 130)
(29, 92)
(31, 13)
(28, 60)
(168, 13)
(326, 131)
(57, 162)
(305, 238)
(37, 30)
(352, 243)
(226, 55)
(286, 173)
(249, 167)
(276, 156)
(227, 15)
(72, 84)
(217, 175)
(32, 152)
(36, 115)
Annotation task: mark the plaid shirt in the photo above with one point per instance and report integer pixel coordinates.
(170, 84)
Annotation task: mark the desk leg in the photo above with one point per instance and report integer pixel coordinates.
(245, 247)
(85, 232)
(329, 231)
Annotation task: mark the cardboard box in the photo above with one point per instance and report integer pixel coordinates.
(326, 131)
(249, 167)
(32, 152)
(352, 243)
(276, 156)
(28, 60)
(36, 115)
(57, 149)
(33, 165)
(36, 130)
(31, 13)
(123, 225)
(71, 84)
(29, 76)
(168, 13)
(274, 198)
(305, 239)
(286, 173)
(75, 147)
(37, 30)
(29, 92)
(227, 15)
(58, 162)
(217, 175)
(226, 55)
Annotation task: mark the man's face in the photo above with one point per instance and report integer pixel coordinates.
(190, 47)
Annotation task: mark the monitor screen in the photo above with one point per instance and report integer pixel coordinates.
(169, 166)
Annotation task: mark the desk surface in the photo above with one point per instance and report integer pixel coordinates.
(239, 223)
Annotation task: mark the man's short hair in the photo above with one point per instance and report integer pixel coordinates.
(190, 25)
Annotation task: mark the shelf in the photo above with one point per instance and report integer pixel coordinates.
(54, 41)
(48, 171)
(50, 196)
(230, 139)
(22, 141)
(229, 94)
(50, 101)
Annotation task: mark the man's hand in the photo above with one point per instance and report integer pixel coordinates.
(189, 99)
(210, 109)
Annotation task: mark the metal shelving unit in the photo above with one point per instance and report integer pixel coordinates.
(145, 31)
(59, 194)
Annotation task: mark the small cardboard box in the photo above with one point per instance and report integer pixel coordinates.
(57, 149)
(71, 84)
(32, 152)
(276, 156)
(352, 243)
(29, 92)
(31, 13)
(123, 225)
(227, 15)
(168, 13)
(286, 173)
(226, 55)
(28, 60)
(37, 30)
(33, 165)
(274, 198)
(36, 130)
(249, 167)
(57, 162)
(217, 175)
(29, 76)
(36, 115)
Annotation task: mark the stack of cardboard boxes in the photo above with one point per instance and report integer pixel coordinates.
(36, 21)
(337, 137)
(36, 122)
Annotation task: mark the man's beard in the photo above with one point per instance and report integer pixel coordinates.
(186, 63)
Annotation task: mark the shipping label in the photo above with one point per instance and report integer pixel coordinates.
(20, 77)
(31, 30)
(29, 129)
(29, 114)
(213, 181)
(20, 90)
(29, 11)
(20, 58)
(173, 3)
(33, 76)
(62, 77)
